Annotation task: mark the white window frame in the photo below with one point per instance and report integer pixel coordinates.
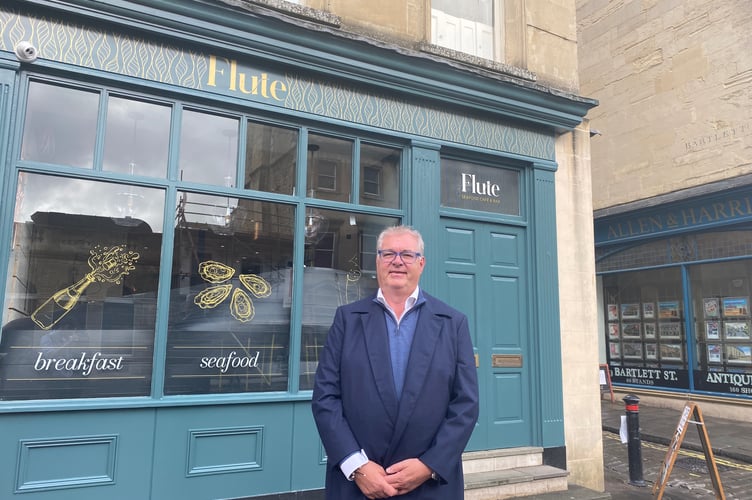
(468, 36)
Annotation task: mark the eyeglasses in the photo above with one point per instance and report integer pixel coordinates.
(406, 256)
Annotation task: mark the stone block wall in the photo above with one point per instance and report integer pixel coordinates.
(674, 82)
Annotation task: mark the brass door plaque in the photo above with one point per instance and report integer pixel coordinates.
(506, 360)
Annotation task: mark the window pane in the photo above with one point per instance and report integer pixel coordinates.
(340, 268)
(645, 322)
(208, 149)
(60, 125)
(231, 294)
(271, 158)
(80, 306)
(720, 294)
(137, 137)
(379, 176)
(475, 10)
(329, 168)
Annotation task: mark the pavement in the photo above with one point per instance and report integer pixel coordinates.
(728, 438)
(689, 478)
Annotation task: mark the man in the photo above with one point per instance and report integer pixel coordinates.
(395, 397)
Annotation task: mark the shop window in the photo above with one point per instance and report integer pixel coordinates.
(379, 175)
(271, 157)
(721, 299)
(81, 313)
(644, 327)
(208, 148)
(715, 355)
(229, 328)
(81, 296)
(60, 125)
(137, 137)
(330, 161)
(349, 243)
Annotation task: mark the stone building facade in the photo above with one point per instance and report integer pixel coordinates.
(197, 124)
(671, 179)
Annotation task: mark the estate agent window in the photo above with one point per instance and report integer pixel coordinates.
(159, 237)
(645, 313)
(687, 324)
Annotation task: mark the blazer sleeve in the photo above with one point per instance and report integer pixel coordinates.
(334, 430)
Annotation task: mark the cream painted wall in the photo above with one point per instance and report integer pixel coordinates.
(674, 81)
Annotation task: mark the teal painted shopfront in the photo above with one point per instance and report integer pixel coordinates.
(676, 289)
(190, 189)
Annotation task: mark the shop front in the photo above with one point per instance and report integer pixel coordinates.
(185, 203)
(676, 290)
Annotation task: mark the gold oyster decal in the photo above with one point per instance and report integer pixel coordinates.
(258, 286)
(215, 272)
(241, 304)
(212, 296)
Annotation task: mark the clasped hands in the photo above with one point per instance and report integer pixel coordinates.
(403, 477)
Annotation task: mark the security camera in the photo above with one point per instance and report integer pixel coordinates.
(26, 52)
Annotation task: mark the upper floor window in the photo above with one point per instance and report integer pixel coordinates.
(466, 26)
(372, 181)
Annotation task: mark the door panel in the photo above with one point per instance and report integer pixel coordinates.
(485, 276)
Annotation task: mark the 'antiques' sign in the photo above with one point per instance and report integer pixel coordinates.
(727, 382)
(477, 187)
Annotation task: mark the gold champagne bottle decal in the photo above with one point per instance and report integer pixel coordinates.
(241, 304)
(108, 265)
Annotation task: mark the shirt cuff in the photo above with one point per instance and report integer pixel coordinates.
(353, 463)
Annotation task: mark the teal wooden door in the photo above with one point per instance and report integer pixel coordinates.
(484, 275)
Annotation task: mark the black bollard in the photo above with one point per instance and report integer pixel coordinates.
(634, 445)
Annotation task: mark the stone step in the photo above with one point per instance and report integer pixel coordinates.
(501, 459)
(514, 482)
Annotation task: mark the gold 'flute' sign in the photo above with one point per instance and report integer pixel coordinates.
(108, 265)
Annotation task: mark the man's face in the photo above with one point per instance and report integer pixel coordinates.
(397, 276)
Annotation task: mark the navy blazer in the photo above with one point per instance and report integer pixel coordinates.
(355, 404)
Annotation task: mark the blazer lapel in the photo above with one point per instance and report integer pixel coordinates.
(377, 345)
